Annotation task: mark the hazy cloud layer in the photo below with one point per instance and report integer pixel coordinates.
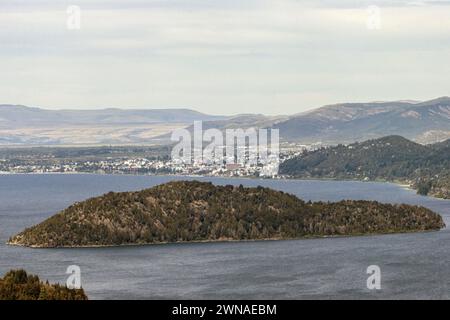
(269, 56)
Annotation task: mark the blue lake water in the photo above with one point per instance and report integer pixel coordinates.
(412, 265)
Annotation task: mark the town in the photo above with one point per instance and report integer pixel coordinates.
(132, 160)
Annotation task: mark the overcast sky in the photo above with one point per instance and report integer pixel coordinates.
(222, 56)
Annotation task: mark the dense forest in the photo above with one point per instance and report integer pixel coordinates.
(425, 167)
(18, 285)
(200, 211)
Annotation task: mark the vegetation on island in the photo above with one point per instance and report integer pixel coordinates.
(425, 167)
(18, 285)
(200, 211)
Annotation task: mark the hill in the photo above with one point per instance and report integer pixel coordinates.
(16, 116)
(393, 158)
(242, 121)
(22, 125)
(424, 122)
(199, 211)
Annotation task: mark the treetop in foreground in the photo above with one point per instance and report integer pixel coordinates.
(18, 285)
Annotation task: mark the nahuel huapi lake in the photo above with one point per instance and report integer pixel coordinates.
(413, 265)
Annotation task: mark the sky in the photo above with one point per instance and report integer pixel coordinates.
(222, 56)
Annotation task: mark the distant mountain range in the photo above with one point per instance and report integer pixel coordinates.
(21, 125)
(14, 116)
(423, 122)
(393, 158)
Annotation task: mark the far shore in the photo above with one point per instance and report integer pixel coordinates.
(400, 183)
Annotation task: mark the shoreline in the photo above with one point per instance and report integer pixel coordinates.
(399, 183)
(18, 240)
(222, 240)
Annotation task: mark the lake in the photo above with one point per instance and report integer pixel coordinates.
(412, 265)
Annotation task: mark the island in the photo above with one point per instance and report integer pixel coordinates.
(183, 211)
(19, 285)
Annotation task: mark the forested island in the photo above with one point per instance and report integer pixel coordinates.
(426, 168)
(18, 285)
(200, 211)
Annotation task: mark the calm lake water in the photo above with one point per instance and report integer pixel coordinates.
(412, 265)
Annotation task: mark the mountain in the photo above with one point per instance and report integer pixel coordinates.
(241, 121)
(393, 158)
(425, 122)
(200, 211)
(21, 125)
(13, 116)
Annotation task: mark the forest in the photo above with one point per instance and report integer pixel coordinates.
(393, 158)
(200, 211)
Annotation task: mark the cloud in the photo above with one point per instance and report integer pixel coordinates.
(266, 56)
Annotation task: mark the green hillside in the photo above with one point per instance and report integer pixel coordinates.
(392, 158)
(199, 211)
